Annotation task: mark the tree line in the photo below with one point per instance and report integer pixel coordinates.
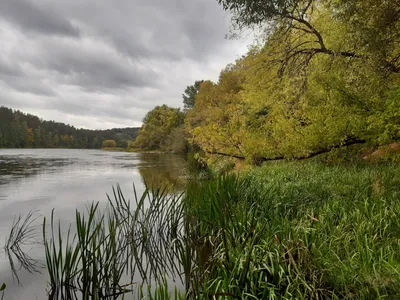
(325, 76)
(20, 130)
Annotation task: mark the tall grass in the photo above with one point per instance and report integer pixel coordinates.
(300, 230)
(111, 245)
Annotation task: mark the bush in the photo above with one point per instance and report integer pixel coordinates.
(109, 144)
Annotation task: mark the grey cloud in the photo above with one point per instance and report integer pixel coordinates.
(92, 69)
(14, 77)
(36, 18)
(153, 29)
(8, 69)
(108, 59)
(27, 85)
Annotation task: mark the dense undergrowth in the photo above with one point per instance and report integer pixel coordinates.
(288, 230)
(301, 230)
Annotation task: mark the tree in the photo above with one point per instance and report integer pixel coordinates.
(31, 137)
(189, 97)
(157, 126)
(109, 144)
(297, 24)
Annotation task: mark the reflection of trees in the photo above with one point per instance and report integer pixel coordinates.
(12, 168)
(162, 170)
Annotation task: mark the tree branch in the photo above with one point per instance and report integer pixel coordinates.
(304, 157)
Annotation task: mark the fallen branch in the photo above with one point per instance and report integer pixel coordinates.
(310, 155)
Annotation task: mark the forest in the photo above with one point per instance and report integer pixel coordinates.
(20, 130)
(323, 76)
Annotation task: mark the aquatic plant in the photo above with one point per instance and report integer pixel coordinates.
(23, 233)
(110, 246)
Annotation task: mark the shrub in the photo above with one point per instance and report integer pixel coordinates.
(109, 144)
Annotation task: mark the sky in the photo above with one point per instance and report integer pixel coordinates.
(101, 64)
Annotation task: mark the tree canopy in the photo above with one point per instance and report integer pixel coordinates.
(160, 125)
(326, 76)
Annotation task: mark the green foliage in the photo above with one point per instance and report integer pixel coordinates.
(300, 231)
(189, 97)
(324, 77)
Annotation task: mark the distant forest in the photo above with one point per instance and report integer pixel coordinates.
(20, 130)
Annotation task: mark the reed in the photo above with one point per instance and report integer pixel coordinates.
(111, 245)
(300, 230)
(23, 234)
(2, 289)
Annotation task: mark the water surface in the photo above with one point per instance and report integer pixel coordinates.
(65, 180)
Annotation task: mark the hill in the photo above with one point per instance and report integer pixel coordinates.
(20, 130)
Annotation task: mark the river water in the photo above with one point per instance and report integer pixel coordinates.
(65, 180)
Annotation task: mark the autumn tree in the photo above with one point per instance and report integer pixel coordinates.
(371, 29)
(109, 144)
(158, 124)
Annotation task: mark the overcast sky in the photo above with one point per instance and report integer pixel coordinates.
(105, 63)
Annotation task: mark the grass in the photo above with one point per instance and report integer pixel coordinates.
(301, 231)
(293, 230)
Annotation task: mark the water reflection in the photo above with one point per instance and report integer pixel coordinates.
(163, 170)
(67, 180)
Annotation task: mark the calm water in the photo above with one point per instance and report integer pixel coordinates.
(65, 180)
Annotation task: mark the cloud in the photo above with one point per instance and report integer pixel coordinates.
(36, 18)
(101, 63)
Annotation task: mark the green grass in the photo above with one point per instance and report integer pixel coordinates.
(293, 230)
(301, 231)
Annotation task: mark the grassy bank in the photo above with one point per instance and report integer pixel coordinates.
(301, 231)
(289, 230)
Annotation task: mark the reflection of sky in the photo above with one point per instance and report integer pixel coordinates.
(65, 180)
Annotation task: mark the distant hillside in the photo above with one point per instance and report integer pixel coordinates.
(20, 130)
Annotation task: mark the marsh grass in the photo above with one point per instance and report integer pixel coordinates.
(300, 230)
(110, 246)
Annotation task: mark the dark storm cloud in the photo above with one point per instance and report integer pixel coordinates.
(36, 18)
(153, 29)
(108, 59)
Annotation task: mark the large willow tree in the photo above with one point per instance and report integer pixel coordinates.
(327, 76)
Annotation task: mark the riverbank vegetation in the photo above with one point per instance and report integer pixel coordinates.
(301, 230)
(313, 221)
(20, 130)
(325, 75)
(287, 230)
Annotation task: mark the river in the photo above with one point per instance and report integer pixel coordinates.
(65, 180)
